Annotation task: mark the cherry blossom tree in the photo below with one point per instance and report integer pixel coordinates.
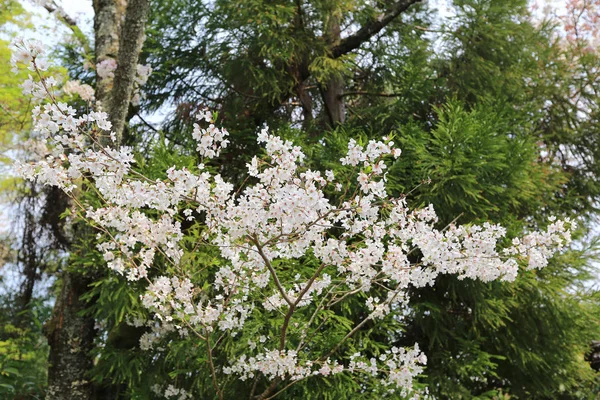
(361, 241)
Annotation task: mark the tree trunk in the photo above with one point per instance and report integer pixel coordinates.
(123, 336)
(70, 331)
(132, 39)
(107, 28)
(334, 102)
(334, 88)
(71, 338)
(28, 254)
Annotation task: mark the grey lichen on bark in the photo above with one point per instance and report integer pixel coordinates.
(132, 39)
(108, 16)
(70, 336)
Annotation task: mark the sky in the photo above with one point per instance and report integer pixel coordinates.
(50, 31)
(74, 7)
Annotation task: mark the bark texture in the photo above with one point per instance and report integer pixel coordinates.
(28, 253)
(334, 87)
(132, 39)
(108, 15)
(71, 340)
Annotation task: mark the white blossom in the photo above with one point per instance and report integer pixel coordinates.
(106, 68)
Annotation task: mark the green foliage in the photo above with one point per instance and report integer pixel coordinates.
(14, 109)
(23, 350)
(474, 164)
(11, 11)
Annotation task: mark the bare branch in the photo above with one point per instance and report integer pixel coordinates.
(362, 93)
(148, 124)
(352, 42)
(69, 21)
(211, 364)
(54, 8)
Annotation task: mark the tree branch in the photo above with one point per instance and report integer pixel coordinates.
(271, 270)
(212, 368)
(70, 22)
(54, 8)
(371, 94)
(352, 42)
(292, 308)
(148, 124)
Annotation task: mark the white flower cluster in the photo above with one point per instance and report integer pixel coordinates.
(142, 74)
(58, 129)
(171, 392)
(401, 367)
(173, 299)
(178, 393)
(210, 140)
(86, 92)
(369, 155)
(538, 246)
(106, 68)
(129, 229)
(157, 331)
(361, 241)
(26, 52)
(275, 301)
(280, 364)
